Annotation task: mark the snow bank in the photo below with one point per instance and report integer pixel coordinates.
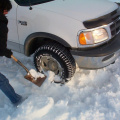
(34, 107)
(90, 95)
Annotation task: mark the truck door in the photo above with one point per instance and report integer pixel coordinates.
(13, 41)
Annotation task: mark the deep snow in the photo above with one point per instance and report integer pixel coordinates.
(90, 95)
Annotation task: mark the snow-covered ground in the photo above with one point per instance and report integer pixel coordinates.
(90, 95)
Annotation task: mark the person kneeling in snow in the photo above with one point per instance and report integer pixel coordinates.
(5, 6)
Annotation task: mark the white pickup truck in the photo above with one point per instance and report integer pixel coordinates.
(63, 33)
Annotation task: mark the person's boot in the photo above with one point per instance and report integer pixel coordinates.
(20, 101)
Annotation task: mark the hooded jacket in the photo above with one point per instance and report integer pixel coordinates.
(3, 36)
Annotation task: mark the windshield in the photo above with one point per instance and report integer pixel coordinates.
(31, 2)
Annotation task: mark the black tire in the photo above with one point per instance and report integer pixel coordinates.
(59, 60)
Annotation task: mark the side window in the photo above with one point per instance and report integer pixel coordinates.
(31, 2)
(23, 2)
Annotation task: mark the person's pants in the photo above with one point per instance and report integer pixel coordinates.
(8, 89)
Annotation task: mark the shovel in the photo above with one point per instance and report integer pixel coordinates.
(29, 77)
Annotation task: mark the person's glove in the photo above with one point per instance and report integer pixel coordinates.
(8, 53)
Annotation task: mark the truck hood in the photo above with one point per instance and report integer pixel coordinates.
(79, 9)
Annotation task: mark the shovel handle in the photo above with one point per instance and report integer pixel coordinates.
(16, 60)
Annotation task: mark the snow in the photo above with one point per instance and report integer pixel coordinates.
(36, 74)
(90, 95)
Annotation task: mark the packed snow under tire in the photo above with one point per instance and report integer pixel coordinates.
(56, 58)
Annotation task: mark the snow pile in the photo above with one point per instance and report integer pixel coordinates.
(90, 95)
(36, 74)
(53, 77)
(27, 111)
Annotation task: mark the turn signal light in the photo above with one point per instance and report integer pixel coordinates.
(82, 39)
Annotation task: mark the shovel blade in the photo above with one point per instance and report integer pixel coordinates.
(39, 81)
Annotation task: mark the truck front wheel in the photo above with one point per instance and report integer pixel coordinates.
(56, 58)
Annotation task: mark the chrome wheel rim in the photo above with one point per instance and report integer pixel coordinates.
(49, 63)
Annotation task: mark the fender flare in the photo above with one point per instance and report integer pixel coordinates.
(31, 37)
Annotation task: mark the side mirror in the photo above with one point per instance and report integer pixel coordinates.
(30, 8)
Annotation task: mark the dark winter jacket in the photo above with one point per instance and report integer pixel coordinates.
(3, 36)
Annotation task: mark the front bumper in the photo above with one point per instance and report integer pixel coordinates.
(98, 57)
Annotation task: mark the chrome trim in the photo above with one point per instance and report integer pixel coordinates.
(106, 27)
(84, 62)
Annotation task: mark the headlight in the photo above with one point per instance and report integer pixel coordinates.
(93, 37)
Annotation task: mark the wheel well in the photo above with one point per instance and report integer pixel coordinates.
(35, 43)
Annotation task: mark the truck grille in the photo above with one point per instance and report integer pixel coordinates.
(115, 27)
